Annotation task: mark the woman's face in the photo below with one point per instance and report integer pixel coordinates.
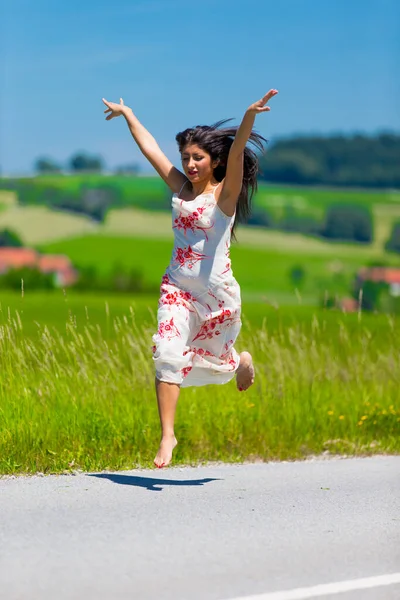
(197, 163)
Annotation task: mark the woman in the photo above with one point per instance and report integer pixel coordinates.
(199, 306)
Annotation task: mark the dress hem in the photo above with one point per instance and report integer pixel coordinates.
(200, 382)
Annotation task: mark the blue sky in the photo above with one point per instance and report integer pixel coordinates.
(180, 63)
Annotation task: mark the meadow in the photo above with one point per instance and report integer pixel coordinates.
(81, 396)
(77, 376)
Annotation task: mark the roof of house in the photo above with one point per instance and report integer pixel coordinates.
(380, 274)
(17, 258)
(54, 262)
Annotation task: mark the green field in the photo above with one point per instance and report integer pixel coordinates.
(78, 393)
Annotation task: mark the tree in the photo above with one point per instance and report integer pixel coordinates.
(260, 217)
(393, 243)
(95, 201)
(294, 221)
(345, 222)
(372, 293)
(358, 160)
(131, 169)
(83, 162)
(46, 165)
(9, 238)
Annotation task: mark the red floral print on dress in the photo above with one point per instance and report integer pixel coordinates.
(220, 302)
(199, 352)
(233, 363)
(228, 264)
(228, 356)
(227, 348)
(185, 371)
(192, 222)
(212, 327)
(189, 257)
(176, 297)
(167, 329)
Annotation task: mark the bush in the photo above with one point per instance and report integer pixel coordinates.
(127, 281)
(297, 276)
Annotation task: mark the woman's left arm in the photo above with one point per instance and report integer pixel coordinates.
(234, 169)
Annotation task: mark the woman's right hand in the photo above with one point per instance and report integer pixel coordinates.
(115, 110)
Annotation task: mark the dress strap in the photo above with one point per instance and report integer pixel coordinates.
(182, 188)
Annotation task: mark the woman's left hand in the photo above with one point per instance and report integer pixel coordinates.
(259, 106)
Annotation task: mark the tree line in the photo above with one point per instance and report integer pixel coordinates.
(350, 161)
(81, 162)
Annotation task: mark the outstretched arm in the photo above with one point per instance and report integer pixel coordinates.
(147, 145)
(234, 169)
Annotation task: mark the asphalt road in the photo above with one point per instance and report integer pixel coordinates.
(208, 533)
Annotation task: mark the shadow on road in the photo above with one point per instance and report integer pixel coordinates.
(150, 482)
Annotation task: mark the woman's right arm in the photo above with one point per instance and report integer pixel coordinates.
(147, 145)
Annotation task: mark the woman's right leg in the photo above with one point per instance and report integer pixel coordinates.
(167, 399)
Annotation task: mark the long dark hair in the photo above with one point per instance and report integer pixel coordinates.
(217, 142)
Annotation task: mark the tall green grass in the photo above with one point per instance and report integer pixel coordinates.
(58, 308)
(77, 398)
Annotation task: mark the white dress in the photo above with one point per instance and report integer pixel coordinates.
(199, 306)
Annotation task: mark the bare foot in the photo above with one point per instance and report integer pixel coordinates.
(164, 454)
(245, 372)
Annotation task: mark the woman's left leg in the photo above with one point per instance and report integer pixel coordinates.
(245, 372)
(224, 321)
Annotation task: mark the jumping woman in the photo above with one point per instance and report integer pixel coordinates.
(199, 306)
